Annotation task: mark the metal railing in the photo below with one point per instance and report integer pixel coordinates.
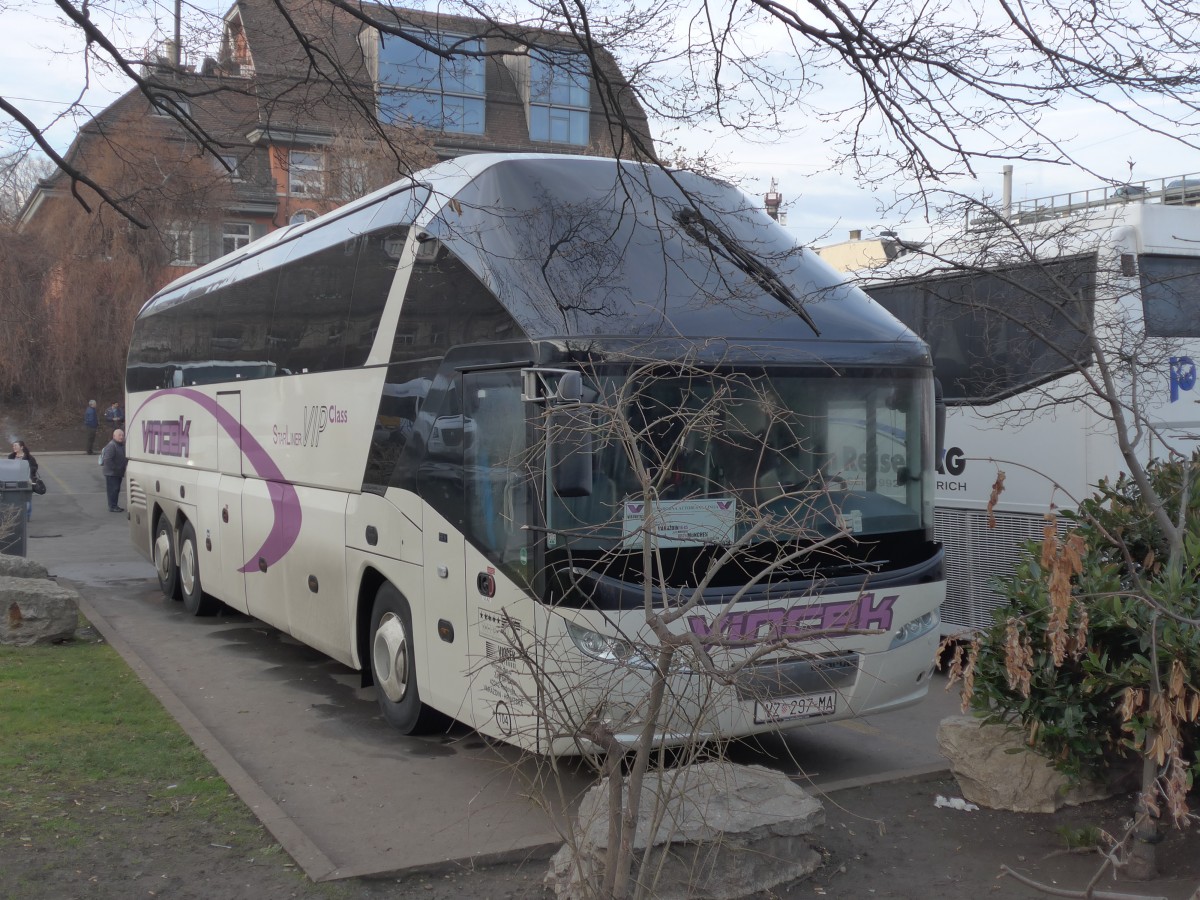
(1181, 190)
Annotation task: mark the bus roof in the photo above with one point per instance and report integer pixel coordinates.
(600, 248)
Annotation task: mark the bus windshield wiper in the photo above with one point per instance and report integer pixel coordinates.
(707, 233)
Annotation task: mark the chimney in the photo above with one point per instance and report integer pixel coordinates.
(856, 235)
(772, 201)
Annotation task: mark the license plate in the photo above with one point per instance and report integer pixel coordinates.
(806, 706)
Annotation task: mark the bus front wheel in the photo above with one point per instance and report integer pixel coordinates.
(164, 559)
(195, 601)
(393, 666)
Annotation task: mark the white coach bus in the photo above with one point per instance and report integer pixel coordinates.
(1005, 308)
(381, 482)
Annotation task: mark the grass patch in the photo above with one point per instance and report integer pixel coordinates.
(85, 742)
(102, 793)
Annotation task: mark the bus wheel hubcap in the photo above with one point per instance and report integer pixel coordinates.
(187, 566)
(162, 555)
(390, 657)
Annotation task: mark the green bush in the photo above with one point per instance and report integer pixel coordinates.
(1090, 710)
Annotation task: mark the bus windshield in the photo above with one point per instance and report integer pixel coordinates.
(703, 459)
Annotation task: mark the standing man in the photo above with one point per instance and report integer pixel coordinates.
(91, 422)
(112, 464)
(115, 416)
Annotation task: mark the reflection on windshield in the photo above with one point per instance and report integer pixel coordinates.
(811, 455)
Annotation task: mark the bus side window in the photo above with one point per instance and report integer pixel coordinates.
(445, 306)
(377, 264)
(311, 308)
(400, 403)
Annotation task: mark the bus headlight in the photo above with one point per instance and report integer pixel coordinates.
(918, 627)
(607, 648)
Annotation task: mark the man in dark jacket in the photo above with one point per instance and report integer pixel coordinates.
(115, 416)
(91, 422)
(112, 464)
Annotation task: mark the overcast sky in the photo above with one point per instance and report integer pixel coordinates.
(42, 70)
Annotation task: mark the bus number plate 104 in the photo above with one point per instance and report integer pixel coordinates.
(781, 709)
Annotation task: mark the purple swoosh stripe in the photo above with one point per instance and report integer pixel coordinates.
(285, 502)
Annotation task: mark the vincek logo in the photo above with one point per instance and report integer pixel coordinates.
(167, 437)
(863, 614)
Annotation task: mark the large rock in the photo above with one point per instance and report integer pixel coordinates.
(36, 611)
(725, 831)
(995, 768)
(21, 567)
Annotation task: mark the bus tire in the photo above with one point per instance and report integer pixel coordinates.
(393, 665)
(166, 564)
(195, 601)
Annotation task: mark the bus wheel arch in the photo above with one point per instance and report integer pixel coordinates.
(190, 586)
(393, 666)
(166, 557)
(372, 579)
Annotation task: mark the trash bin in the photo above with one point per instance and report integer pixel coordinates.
(16, 492)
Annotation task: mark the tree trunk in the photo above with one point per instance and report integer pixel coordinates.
(1141, 860)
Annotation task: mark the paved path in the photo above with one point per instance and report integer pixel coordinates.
(304, 747)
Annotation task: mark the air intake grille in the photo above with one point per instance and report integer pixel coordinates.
(975, 554)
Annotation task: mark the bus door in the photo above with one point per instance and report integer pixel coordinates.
(440, 617)
(222, 579)
(497, 560)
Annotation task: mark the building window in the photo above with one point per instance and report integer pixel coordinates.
(422, 88)
(171, 105)
(234, 235)
(559, 97)
(306, 173)
(232, 166)
(304, 215)
(180, 246)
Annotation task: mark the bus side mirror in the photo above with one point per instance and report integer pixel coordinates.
(569, 452)
(554, 387)
(570, 388)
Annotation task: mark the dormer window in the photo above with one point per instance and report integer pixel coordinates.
(230, 165)
(418, 86)
(170, 105)
(559, 97)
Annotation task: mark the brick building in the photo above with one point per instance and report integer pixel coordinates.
(308, 106)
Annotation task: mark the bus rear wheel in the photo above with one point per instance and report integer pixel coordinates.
(393, 665)
(165, 563)
(195, 601)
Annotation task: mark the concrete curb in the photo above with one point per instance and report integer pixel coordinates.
(920, 773)
(308, 856)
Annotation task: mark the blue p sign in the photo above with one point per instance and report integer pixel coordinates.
(1183, 375)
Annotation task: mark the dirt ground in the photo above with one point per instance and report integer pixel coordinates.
(887, 840)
